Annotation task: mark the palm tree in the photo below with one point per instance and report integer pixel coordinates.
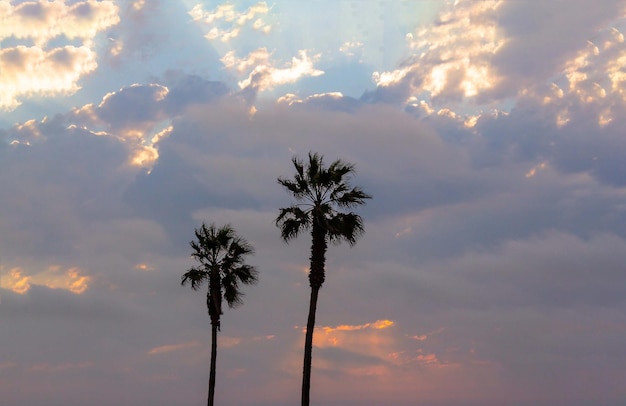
(320, 193)
(220, 252)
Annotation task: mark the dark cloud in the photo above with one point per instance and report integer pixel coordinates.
(333, 102)
(531, 133)
(542, 37)
(137, 106)
(491, 256)
(73, 170)
(496, 249)
(190, 89)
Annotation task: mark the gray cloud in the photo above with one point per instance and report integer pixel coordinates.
(494, 251)
(543, 37)
(491, 256)
(487, 52)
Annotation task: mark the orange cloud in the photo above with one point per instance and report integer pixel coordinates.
(144, 267)
(164, 349)
(59, 367)
(228, 342)
(17, 281)
(377, 325)
(423, 337)
(71, 279)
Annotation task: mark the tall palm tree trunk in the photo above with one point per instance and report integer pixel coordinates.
(316, 279)
(213, 359)
(308, 348)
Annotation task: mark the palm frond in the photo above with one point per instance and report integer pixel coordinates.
(221, 254)
(351, 198)
(339, 169)
(291, 221)
(194, 277)
(316, 162)
(296, 188)
(345, 227)
(246, 275)
(326, 190)
(232, 295)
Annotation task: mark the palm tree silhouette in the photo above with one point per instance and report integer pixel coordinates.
(220, 252)
(320, 193)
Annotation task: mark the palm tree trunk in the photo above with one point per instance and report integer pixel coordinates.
(316, 279)
(308, 348)
(213, 357)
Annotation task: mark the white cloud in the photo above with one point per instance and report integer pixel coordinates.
(226, 22)
(242, 65)
(41, 21)
(36, 70)
(452, 57)
(265, 76)
(481, 51)
(592, 77)
(29, 71)
(352, 48)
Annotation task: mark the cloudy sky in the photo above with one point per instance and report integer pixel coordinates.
(490, 134)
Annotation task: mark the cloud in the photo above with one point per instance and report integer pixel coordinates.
(482, 52)
(424, 337)
(262, 68)
(42, 21)
(490, 263)
(546, 277)
(476, 262)
(17, 281)
(47, 368)
(549, 124)
(56, 71)
(351, 48)
(452, 58)
(71, 279)
(265, 75)
(542, 38)
(226, 22)
(333, 101)
(39, 70)
(82, 157)
(377, 325)
(164, 349)
(355, 349)
(144, 267)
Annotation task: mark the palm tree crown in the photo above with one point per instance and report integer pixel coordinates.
(220, 252)
(320, 194)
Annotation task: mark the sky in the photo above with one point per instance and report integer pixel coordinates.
(489, 133)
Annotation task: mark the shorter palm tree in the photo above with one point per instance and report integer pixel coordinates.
(220, 252)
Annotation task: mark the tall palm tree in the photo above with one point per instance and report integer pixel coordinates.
(220, 252)
(320, 193)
